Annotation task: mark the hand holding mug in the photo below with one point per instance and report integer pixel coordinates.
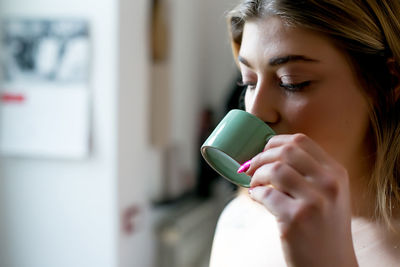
(308, 193)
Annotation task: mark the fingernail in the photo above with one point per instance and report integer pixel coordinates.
(250, 191)
(244, 167)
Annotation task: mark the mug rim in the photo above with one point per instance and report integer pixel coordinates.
(211, 144)
(204, 148)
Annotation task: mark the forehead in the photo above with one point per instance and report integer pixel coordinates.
(268, 37)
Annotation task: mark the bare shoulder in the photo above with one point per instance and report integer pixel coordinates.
(246, 235)
(375, 244)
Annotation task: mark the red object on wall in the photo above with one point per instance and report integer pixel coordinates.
(12, 98)
(128, 219)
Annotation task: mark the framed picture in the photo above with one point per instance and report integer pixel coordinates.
(45, 69)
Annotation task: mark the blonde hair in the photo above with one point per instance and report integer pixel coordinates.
(369, 33)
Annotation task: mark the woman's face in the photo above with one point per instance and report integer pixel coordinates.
(299, 82)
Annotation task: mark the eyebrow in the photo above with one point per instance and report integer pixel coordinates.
(280, 60)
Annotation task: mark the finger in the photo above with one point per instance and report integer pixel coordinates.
(278, 203)
(303, 141)
(283, 178)
(289, 153)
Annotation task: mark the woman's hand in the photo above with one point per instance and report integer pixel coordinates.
(308, 193)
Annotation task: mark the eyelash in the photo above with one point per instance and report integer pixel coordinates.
(291, 87)
(247, 85)
(294, 87)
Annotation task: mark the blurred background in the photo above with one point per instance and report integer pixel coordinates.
(103, 107)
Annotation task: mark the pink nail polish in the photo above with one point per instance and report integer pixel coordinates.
(245, 166)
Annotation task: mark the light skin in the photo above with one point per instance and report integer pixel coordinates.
(306, 90)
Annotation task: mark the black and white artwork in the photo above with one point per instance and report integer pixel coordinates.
(45, 51)
(45, 87)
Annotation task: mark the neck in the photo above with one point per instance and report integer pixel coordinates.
(363, 196)
(363, 201)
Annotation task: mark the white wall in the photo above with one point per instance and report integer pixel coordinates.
(202, 70)
(58, 212)
(134, 152)
(67, 213)
(218, 67)
(203, 67)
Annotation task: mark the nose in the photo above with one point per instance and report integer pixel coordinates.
(263, 102)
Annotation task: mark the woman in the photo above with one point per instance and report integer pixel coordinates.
(325, 75)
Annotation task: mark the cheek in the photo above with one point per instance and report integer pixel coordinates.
(337, 124)
(247, 100)
(301, 117)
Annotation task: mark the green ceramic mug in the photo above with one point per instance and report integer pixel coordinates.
(236, 139)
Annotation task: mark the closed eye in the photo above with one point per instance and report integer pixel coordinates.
(248, 85)
(294, 87)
